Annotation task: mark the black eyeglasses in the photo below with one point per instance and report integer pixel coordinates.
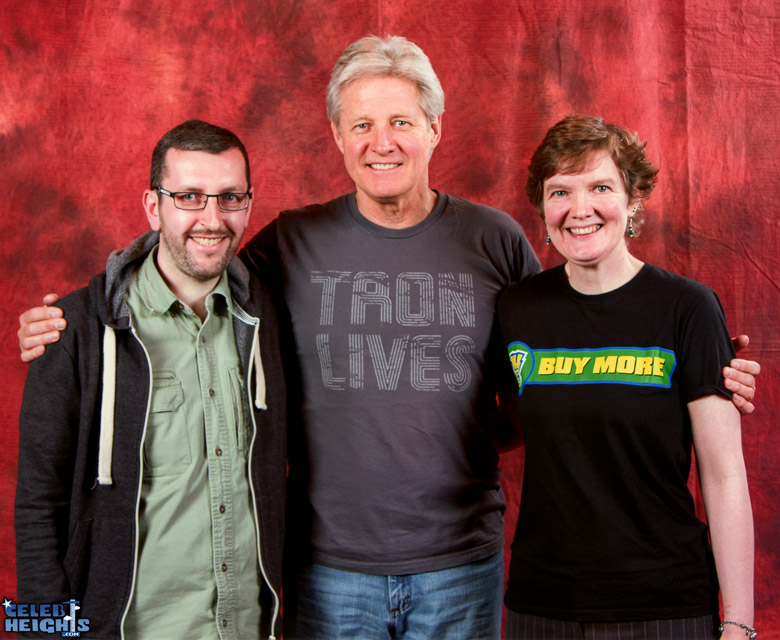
(192, 201)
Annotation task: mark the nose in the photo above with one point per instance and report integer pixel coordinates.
(383, 141)
(211, 216)
(580, 203)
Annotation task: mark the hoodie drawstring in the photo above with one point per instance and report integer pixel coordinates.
(257, 364)
(106, 442)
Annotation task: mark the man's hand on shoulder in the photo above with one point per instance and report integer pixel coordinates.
(38, 327)
(740, 378)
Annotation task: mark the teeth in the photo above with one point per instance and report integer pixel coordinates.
(581, 231)
(383, 167)
(207, 242)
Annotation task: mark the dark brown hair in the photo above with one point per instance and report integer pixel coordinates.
(194, 135)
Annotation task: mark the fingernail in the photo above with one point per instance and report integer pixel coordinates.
(59, 324)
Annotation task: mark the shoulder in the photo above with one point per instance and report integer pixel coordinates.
(80, 340)
(539, 286)
(676, 287)
(479, 214)
(488, 228)
(314, 213)
(83, 304)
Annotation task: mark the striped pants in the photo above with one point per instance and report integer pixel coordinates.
(520, 626)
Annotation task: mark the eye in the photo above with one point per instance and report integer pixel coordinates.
(187, 197)
(602, 188)
(401, 123)
(362, 126)
(558, 193)
(229, 197)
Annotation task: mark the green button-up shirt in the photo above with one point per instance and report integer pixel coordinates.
(197, 572)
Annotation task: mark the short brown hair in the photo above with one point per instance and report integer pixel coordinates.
(571, 143)
(194, 135)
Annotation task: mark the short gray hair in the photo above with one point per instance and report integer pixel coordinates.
(392, 56)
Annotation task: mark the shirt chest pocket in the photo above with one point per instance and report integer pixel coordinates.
(167, 443)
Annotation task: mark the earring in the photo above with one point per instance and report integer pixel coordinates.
(631, 232)
(547, 239)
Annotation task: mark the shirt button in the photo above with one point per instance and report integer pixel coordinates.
(224, 567)
(211, 392)
(203, 339)
(222, 508)
(224, 622)
(173, 313)
(218, 451)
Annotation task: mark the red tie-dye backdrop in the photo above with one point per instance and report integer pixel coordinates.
(87, 87)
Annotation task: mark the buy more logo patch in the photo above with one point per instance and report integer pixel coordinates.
(642, 366)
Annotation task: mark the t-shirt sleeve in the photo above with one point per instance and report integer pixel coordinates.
(261, 253)
(706, 348)
(526, 262)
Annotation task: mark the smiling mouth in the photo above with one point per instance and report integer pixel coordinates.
(384, 166)
(207, 241)
(583, 231)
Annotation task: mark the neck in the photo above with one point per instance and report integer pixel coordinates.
(400, 212)
(601, 278)
(190, 291)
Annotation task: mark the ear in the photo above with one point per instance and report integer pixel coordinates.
(151, 203)
(337, 137)
(436, 131)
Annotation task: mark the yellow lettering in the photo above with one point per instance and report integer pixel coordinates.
(546, 366)
(626, 364)
(579, 364)
(658, 366)
(605, 364)
(563, 365)
(644, 366)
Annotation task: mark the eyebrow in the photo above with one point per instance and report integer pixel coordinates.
(230, 189)
(395, 116)
(555, 186)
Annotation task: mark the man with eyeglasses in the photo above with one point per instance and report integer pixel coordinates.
(152, 444)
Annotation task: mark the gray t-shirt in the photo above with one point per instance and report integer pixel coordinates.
(394, 333)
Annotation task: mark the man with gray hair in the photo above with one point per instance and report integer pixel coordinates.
(396, 511)
(391, 292)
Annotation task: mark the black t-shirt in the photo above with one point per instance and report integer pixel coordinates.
(607, 528)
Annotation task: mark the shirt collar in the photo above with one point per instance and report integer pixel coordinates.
(159, 299)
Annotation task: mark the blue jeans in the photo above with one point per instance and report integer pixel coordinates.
(457, 603)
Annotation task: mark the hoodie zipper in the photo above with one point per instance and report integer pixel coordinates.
(256, 337)
(140, 482)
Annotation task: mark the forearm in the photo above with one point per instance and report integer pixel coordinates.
(718, 442)
(730, 521)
